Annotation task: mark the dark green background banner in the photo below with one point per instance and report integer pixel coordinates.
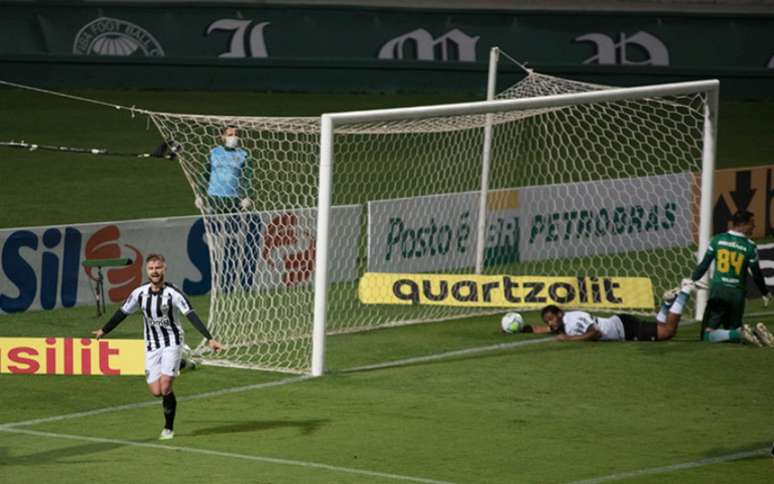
(659, 45)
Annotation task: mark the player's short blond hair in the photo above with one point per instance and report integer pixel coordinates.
(158, 257)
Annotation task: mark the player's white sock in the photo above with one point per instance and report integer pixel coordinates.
(661, 317)
(680, 301)
(719, 336)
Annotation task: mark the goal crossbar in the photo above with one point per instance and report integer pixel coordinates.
(484, 107)
(330, 121)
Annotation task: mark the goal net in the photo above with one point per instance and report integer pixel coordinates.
(591, 187)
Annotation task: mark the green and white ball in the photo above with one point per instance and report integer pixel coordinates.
(512, 323)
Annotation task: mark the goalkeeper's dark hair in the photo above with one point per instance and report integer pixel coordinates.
(742, 217)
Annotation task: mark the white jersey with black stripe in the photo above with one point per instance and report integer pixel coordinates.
(577, 323)
(160, 314)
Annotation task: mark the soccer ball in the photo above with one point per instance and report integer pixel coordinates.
(512, 323)
(186, 358)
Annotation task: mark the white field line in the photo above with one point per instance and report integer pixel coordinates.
(231, 455)
(216, 393)
(758, 314)
(465, 352)
(675, 467)
(149, 403)
(448, 354)
(11, 427)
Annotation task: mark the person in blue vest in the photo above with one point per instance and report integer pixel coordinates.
(229, 176)
(232, 225)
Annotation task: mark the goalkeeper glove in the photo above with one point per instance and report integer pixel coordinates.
(766, 300)
(199, 202)
(246, 203)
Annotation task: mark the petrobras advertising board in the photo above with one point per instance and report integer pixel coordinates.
(607, 217)
(42, 267)
(438, 232)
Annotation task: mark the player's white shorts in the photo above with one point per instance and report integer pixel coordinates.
(162, 361)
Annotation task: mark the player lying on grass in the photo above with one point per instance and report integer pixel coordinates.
(582, 326)
(159, 302)
(734, 254)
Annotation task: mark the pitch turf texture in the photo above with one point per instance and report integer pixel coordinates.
(531, 410)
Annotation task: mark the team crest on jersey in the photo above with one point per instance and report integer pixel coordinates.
(115, 37)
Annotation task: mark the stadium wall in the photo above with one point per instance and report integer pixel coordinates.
(685, 6)
(380, 49)
(42, 267)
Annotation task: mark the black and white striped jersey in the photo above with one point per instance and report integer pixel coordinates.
(159, 314)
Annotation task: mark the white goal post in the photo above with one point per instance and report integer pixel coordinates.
(505, 111)
(580, 180)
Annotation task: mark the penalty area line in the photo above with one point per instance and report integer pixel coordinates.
(230, 455)
(676, 467)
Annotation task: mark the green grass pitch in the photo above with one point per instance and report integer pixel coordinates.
(679, 411)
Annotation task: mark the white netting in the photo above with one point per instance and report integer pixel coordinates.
(256, 202)
(536, 84)
(610, 184)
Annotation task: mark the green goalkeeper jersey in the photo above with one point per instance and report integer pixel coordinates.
(733, 254)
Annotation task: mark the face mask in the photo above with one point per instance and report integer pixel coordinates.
(232, 141)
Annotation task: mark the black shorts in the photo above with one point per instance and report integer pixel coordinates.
(635, 329)
(724, 309)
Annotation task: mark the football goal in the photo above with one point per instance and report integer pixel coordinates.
(552, 177)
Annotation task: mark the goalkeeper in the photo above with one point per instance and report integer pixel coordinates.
(229, 176)
(734, 255)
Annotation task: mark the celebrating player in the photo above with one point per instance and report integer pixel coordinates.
(734, 254)
(159, 302)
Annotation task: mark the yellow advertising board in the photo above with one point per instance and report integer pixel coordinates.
(72, 356)
(506, 291)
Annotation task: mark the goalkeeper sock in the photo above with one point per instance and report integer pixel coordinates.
(721, 335)
(661, 317)
(170, 405)
(679, 304)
